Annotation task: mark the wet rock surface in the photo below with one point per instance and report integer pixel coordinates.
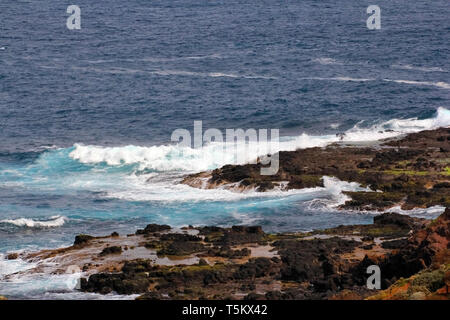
(244, 262)
(247, 263)
(152, 228)
(111, 250)
(82, 239)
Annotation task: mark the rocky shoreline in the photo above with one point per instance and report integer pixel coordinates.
(244, 262)
(411, 172)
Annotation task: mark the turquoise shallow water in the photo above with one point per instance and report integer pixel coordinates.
(50, 196)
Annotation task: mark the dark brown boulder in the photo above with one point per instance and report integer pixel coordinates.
(121, 283)
(111, 250)
(240, 235)
(82, 239)
(426, 247)
(152, 228)
(402, 221)
(12, 256)
(181, 248)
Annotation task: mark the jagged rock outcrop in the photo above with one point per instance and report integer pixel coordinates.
(244, 262)
(411, 172)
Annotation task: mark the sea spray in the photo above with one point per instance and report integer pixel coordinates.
(215, 154)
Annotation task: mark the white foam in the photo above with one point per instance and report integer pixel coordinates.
(159, 59)
(138, 188)
(170, 163)
(172, 72)
(18, 279)
(245, 218)
(199, 57)
(430, 212)
(335, 125)
(38, 283)
(8, 267)
(165, 188)
(411, 67)
(336, 187)
(174, 157)
(53, 222)
(50, 287)
(346, 79)
(208, 74)
(327, 61)
(333, 197)
(439, 84)
(395, 127)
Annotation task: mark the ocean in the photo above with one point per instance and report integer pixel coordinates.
(86, 116)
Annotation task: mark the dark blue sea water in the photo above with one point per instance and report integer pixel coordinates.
(86, 115)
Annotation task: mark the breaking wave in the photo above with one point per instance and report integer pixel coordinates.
(175, 157)
(139, 173)
(439, 84)
(327, 61)
(53, 222)
(424, 69)
(170, 72)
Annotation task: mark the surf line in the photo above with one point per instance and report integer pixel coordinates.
(269, 149)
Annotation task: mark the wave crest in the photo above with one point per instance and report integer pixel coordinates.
(177, 158)
(411, 67)
(53, 222)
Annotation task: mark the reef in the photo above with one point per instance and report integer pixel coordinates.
(412, 172)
